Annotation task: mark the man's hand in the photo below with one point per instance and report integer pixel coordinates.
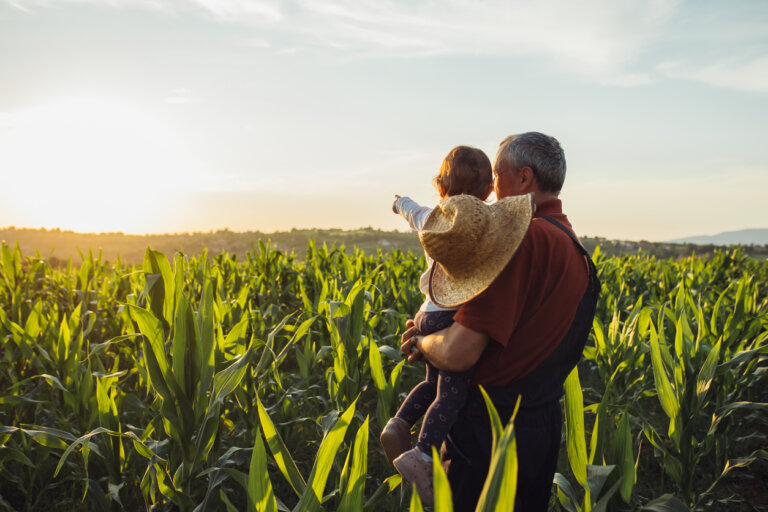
(409, 342)
(394, 210)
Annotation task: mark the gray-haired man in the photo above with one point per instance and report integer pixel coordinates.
(524, 333)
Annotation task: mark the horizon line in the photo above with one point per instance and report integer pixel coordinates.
(679, 240)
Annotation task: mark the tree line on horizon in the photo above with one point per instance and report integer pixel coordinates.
(60, 246)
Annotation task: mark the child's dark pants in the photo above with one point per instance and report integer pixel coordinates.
(440, 395)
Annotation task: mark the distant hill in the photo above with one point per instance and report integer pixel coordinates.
(743, 237)
(60, 246)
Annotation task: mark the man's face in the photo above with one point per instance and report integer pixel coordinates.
(502, 179)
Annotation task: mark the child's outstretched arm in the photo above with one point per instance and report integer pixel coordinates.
(411, 211)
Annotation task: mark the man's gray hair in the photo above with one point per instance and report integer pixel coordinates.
(541, 153)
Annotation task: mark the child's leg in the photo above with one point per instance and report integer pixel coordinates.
(420, 397)
(452, 389)
(418, 400)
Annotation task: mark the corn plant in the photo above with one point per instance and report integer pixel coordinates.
(594, 479)
(207, 381)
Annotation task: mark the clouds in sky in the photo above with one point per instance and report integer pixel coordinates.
(742, 74)
(600, 41)
(322, 102)
(181, 96)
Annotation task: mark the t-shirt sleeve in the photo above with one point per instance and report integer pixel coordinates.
(496, 312)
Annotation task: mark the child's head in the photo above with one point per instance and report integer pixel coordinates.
(466, 170)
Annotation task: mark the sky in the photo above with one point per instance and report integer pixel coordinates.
(155, 116)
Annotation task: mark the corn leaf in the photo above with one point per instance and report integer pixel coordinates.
(667, 396)
(574, 421)
(280, 452)
(442, 489)
(352, 499)
(313, 494)
(261, 498)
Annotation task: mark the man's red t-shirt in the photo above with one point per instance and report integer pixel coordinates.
(529, 308)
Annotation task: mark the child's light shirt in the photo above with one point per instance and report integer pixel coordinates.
(416, 215)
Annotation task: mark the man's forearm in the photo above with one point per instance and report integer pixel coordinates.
(455, 349)
(436, 350)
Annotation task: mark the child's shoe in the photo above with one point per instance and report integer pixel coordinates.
(395, 438)
(417, 470)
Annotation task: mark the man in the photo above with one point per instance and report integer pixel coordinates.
(523, 334)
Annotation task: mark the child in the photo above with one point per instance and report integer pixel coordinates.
(442, 394)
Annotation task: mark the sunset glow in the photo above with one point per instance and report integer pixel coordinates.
(90, 165)
(175, 115)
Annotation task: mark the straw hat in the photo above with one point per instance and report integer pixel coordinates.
(471, 243)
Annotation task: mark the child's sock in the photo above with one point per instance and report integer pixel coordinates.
(425, 456)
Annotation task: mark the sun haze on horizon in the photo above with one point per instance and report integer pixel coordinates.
(174, 116)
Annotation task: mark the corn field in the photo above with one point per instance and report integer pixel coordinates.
(208, 383)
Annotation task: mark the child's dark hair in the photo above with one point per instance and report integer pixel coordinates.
(466, 170)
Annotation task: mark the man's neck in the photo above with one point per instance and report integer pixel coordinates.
(542, 197)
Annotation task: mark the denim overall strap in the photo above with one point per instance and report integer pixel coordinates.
(466, 452)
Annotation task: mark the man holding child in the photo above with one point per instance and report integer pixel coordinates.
(522, 335)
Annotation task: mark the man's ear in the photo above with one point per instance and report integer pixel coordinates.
(526, 176)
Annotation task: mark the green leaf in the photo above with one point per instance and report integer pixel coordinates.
(227, 380)
(313, 494)
(741, 462)
(207, 341)
(99, 348)
(574, 421)
(9, 271)
(596, 477)
(748, 355)
(377, 370)
(707, 373)
(152, 330)
(182, 346)
(237, 335)
(300, 332)
(390, 484)
(566, 494)
(496, 427)
(280, 452)
(352, 499)
(442, 489)
(156, 375)
(416, 505)
(261, 498)
(77, 443)
(228, 504)
(667, 396)
(47, 436)
(268, 355)
(624, 457)
(665, 503)
(162, 299)
(356, 301)
(8, 453)
(605, 498)
(383, 388)
(500, 487)
(728, 409)
(167, 489)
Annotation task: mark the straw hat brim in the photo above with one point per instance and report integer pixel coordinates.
(511, 221)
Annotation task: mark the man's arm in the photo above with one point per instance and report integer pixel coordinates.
(455, 349)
